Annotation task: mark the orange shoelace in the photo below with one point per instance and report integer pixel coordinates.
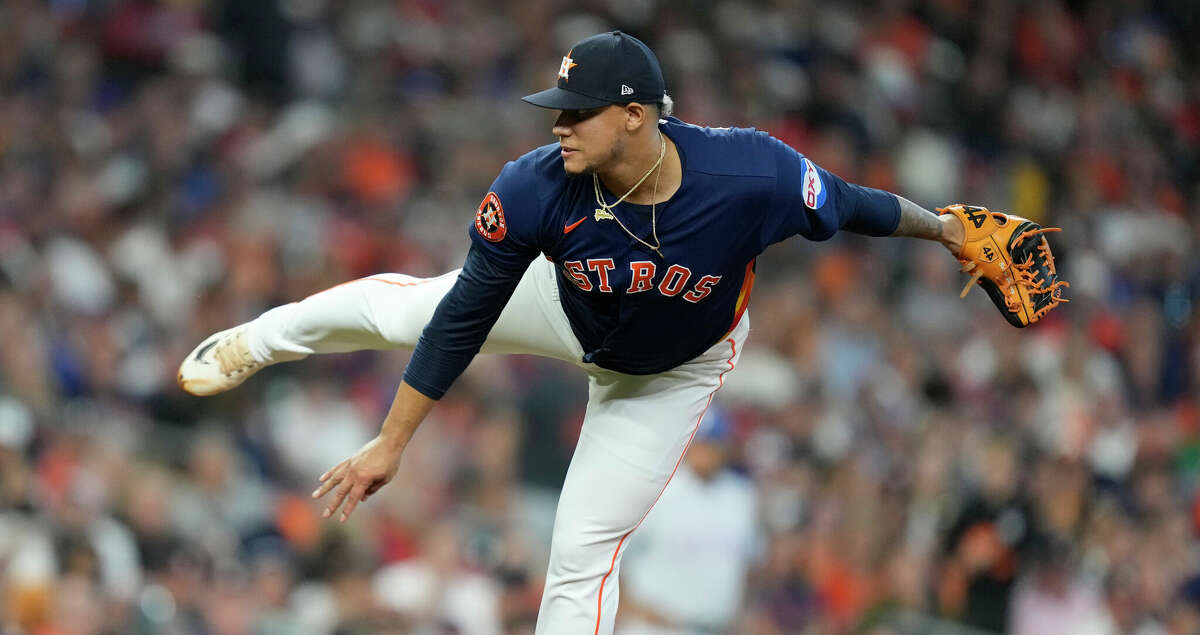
(1024, 274)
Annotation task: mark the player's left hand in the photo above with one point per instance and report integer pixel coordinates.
(359, 476)
(953, 233)
(1010, 258)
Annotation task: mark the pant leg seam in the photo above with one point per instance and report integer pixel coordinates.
(695, 428)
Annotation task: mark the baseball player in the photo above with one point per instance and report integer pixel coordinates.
(627, 248)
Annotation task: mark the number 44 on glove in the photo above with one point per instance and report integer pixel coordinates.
(1010, 258)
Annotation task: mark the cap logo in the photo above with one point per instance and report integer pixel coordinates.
(564, 70)
(626, 90)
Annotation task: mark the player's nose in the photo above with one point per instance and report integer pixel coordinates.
(561, 129)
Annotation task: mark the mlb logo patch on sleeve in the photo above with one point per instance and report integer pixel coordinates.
(814, 189)
(489, 220)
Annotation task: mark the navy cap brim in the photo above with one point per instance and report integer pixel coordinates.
(561, 99)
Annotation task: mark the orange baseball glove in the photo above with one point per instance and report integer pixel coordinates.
(1010, 258)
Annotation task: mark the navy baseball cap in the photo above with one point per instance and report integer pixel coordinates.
(609, 68)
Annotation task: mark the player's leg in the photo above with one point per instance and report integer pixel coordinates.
(390, 310)
(385, 311)
(634, 436)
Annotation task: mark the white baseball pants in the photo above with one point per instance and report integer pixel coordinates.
(635, 431)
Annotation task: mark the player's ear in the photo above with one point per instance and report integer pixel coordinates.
(635, 116)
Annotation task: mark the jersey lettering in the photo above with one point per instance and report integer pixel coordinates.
(674, 280)
(574, 269)
(643, 276)
(703, 288)
(602, 266)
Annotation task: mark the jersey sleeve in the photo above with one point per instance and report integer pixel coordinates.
(815, 203)
(506, 226)
(460, 324)
(504, 239)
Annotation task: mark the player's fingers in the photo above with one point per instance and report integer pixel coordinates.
(329, 480)
(340, 495)
(332, 470)
(325, 487)
(356, 495)
(372, 489)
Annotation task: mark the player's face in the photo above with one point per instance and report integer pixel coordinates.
(590, 139)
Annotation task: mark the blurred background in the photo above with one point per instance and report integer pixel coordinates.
(887, 458)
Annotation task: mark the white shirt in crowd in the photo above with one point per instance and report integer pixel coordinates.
(688, 560)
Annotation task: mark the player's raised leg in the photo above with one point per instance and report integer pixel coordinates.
(634, 436)
(380, 312)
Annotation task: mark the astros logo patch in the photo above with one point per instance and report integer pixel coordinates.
(814, 189)
(489, 220)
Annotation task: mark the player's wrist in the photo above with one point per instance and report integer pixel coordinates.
(393, 441)
(952, 233)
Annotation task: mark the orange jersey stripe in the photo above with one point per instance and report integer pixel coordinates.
(743, 300)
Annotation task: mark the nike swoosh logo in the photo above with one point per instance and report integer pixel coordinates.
(570, 228)
(204, 349)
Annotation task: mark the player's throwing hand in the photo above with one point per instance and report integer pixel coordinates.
(356, 478)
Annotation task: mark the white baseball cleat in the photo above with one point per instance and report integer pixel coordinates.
(219, 363)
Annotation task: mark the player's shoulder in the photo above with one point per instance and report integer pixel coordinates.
(538, 170)
(518, 201)
(726, 151)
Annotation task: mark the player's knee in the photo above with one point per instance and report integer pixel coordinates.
(578, 561)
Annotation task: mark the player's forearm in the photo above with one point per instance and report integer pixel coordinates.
(460, 324)
(409, 409)
(918, 222)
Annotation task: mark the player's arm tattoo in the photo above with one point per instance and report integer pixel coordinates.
(918, 222)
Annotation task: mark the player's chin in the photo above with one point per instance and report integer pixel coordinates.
(573, 163)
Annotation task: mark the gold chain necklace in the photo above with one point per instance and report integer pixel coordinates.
(605, 210)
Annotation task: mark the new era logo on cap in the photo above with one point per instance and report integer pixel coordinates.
(608, 68)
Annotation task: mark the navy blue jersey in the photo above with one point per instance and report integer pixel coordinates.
(633, 310)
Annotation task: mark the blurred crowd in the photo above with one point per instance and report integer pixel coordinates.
(887, 458)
